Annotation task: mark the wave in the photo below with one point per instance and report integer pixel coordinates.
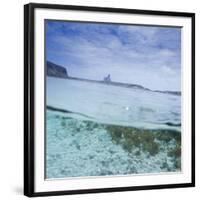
(66, 111)
(136, 124)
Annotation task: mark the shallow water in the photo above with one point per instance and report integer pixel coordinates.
(81, 148)
(115, 105)
(100, 130)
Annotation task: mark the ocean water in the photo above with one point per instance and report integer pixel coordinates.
(101, 130)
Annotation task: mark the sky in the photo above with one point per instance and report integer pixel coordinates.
(145, 55)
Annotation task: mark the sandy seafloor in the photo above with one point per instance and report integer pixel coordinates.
(82, 148)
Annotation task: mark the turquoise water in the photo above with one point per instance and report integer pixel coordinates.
(115, 105)
(79, 148)
(102, 130)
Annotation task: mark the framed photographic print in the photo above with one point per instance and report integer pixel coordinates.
(108, 99)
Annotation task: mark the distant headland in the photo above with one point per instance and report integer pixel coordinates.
(58, 71)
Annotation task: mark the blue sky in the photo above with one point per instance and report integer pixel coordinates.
(145, 55)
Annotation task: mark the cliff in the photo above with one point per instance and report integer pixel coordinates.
(56, 70)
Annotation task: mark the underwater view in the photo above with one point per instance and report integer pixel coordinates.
(100, 130)
(113, 99)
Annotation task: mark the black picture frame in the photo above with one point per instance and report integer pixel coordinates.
(29, 95)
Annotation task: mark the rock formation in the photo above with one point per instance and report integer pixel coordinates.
(56, 70)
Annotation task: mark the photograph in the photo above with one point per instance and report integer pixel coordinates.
(112, 99)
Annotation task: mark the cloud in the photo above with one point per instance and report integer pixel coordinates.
(144, 55)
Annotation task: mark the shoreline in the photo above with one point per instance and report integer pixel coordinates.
(124, 85)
